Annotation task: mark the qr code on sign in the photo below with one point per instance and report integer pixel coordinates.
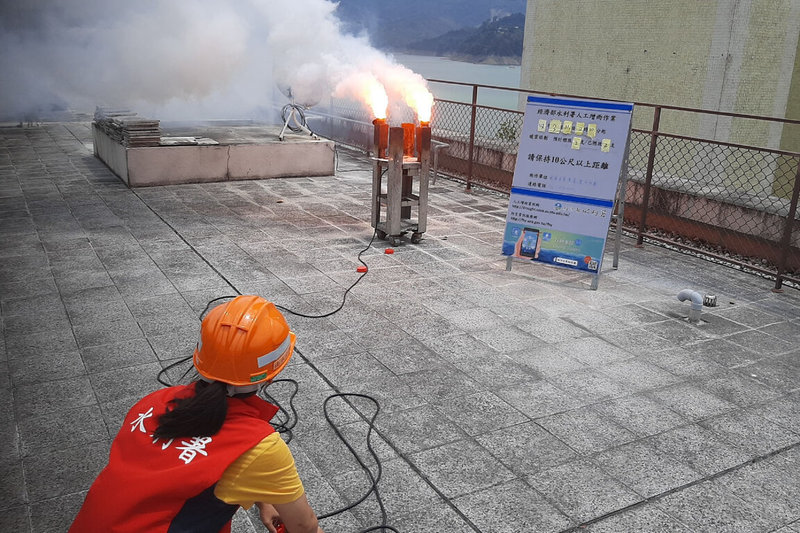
(592, 265)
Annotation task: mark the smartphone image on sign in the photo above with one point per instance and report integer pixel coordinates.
(530, 241)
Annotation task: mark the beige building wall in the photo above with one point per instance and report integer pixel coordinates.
(790, 139)
(787, 168)
(730, 55)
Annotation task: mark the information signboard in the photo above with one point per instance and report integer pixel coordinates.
(565, 182)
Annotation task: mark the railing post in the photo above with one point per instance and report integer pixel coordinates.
(786, 241)
(649, 176)
(472, 135)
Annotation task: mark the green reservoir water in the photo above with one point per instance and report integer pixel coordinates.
(446, 69)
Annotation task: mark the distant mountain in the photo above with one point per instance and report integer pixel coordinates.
(496, 41)
(394, 25)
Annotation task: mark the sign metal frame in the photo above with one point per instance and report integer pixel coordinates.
(569, 182)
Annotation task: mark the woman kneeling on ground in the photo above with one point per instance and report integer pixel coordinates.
(187, 457)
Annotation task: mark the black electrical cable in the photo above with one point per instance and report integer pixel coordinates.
(282, 308)
(374, 478)
(346, 292)
(325, 315)
(168, 367)
(288, 419)
(285, 426)
(203, 314)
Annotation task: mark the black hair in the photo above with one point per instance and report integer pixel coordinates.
(199, 415)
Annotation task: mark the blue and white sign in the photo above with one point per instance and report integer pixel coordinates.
(568, 168)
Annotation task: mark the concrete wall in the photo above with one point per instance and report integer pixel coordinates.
(113, 154)
(163, 165)
(739, 229)
(281, 160)
(729, 55)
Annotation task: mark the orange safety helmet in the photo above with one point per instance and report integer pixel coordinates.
(243, 342)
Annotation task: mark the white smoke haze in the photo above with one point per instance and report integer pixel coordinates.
(321, 60)
(184, 59)
(144, 55)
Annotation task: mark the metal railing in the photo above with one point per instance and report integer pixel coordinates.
(735, 202)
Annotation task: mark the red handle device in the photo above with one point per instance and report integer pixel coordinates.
(280, 528)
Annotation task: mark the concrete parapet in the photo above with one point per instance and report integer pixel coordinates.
(167, 165)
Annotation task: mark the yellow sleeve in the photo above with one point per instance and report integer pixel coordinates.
(264, 473)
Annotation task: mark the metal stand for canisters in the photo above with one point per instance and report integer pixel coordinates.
(393, 155)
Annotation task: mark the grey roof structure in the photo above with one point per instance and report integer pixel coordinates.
(509, 402)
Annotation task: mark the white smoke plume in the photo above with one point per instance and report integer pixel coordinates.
(183, 59)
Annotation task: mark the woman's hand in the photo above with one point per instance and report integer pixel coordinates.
(518, 246)
(269, 516)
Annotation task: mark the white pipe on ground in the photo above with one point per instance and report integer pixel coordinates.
(697, 303)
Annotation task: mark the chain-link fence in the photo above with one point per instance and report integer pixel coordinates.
(735, 202)
(715, 183)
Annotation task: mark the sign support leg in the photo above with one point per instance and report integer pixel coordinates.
(621, 193)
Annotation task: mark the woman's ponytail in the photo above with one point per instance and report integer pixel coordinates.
(200, 415)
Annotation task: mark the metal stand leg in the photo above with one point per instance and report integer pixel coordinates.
(299, 124)
(394, 186)
(283, 130)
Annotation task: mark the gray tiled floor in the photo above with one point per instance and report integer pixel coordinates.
(510, 401)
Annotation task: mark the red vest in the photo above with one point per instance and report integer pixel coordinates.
(148, 483)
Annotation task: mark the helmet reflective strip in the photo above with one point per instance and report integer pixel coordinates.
(275, 354)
